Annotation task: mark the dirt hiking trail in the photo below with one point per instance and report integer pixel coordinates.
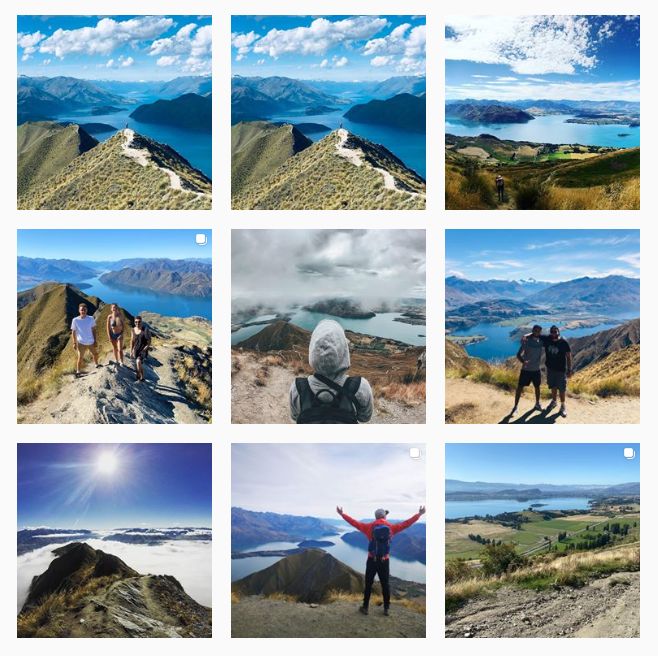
(257, 617)
(468, 402)
(267, 402)
(605, 608)
(110, 395)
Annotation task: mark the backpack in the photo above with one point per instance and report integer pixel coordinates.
(380, 545)
(336, 405)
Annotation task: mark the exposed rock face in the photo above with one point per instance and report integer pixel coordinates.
(88, 593)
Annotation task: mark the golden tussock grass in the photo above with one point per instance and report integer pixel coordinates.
(410, 394)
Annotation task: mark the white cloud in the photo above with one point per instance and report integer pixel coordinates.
(105, 37)
(324, 63)
(167, 60)
(368, 265)
(500, 264)
(29, 43)
(187, 560)
(381, 60)
(260, 62)
(110, 63)
(243, 42)
(319, 37)
(528, 44)
(628, 90)
(335, 62)
(126, 61)
(633, 259)
(189, 47)
(339, 62)
(404, 42)
(302, 478)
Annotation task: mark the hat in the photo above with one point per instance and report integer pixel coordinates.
(380, 513)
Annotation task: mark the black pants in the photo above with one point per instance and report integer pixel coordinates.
(501, 194)
(382, 570)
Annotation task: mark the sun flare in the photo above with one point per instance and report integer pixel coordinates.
(107, 463)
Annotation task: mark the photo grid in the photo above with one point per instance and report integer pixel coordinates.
(339, 249)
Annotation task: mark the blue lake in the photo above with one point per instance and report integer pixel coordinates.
(352, 556)
(195, 147)
(137, 300)
(381, 325)
(408, 146)
(550, 129)
(498, 344)
(456, 509)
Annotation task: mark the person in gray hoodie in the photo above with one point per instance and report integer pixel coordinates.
(330, 396)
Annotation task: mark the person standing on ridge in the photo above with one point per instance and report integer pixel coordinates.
(379, 534)
(83, 333)
(500, 188)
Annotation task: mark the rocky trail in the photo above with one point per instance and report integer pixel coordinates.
(140, 607)
(469, 402)
(258, 617)
(110, 395)
(608, 607)
(267, 401)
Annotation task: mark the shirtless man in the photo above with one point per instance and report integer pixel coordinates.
(83, 333)
(114, 326)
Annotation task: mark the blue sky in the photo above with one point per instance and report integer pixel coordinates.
(543, 57)
(570, 464)
(114, 47)
(100, 486)
(312, 479)
(550, 255)
(112, 245)
(342, 48)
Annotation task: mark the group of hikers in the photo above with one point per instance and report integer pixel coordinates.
(559, 367)
(85, 339)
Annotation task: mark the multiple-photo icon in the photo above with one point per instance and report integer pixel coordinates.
(328, 326)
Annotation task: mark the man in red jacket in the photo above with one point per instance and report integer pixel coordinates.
(379, 534)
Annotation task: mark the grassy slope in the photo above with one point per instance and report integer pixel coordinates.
(606, 181)
(617, 374)
(258, 148)
(104, 178)
(45, 349)
(44, 148)
(319, 178)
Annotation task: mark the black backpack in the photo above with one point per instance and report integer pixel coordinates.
(380, 545)
(336, 405)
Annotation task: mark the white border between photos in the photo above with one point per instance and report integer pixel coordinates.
(221, 220)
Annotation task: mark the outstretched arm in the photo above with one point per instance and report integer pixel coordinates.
(360, 526)
(397, 528)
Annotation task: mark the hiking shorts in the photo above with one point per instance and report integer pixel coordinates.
(556, 379)
(529, 378)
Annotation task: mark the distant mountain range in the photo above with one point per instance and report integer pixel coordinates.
(189, 111)
(608, 295)
(487, 113)
(99, 595)
(593, 348)
(41, 98)
(254, 98)
(456, 490)
(250, 528)
(522, 111)
(62, 167)
(35, 270)
(460, 291)
(403, 111)
(187, 277)
(409, 545)
(181, 277)
(29, 539)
